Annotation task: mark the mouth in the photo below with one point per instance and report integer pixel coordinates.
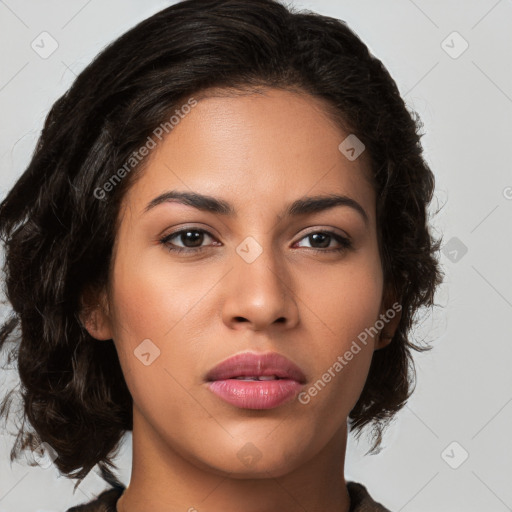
(256, 381)
(255, 377)
(253, 366)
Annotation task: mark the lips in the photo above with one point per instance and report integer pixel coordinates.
(256, 381)
(257, 366)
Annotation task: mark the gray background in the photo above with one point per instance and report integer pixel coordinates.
(464, 390)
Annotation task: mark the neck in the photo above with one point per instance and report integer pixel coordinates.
(163, 479)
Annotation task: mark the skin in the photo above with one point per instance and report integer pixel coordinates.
(259, 152)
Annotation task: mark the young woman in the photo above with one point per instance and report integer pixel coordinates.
(220, 244)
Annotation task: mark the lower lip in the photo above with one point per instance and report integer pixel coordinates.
(255, 394)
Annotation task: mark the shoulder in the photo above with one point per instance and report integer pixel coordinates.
(105, 502)
(361, 501)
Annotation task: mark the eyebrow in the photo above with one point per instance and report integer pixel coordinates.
(301, 206)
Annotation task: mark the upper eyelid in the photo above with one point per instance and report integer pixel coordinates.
(185, 229)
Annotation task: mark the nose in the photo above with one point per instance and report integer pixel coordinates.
(259, 294)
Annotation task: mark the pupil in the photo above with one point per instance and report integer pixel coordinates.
(193, 236)
(324, 242)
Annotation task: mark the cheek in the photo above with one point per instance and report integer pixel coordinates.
(344, 298)
(152, 296)
(157, 311)
(342, 306)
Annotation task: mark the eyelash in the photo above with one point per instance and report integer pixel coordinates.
(345, 243)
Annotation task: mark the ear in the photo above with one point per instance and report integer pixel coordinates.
(390, 315)
(94, 313)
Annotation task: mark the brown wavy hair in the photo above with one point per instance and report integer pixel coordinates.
(58, 236)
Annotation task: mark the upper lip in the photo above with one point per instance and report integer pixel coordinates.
(248, 364)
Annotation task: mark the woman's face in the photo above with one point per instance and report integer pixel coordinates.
(257, 279)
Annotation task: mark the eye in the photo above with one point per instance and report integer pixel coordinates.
(320, 241)
(192, 240)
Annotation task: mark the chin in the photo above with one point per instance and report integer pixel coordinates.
(265, 458)
(275, 468)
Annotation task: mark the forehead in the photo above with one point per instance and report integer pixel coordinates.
(256, 148)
